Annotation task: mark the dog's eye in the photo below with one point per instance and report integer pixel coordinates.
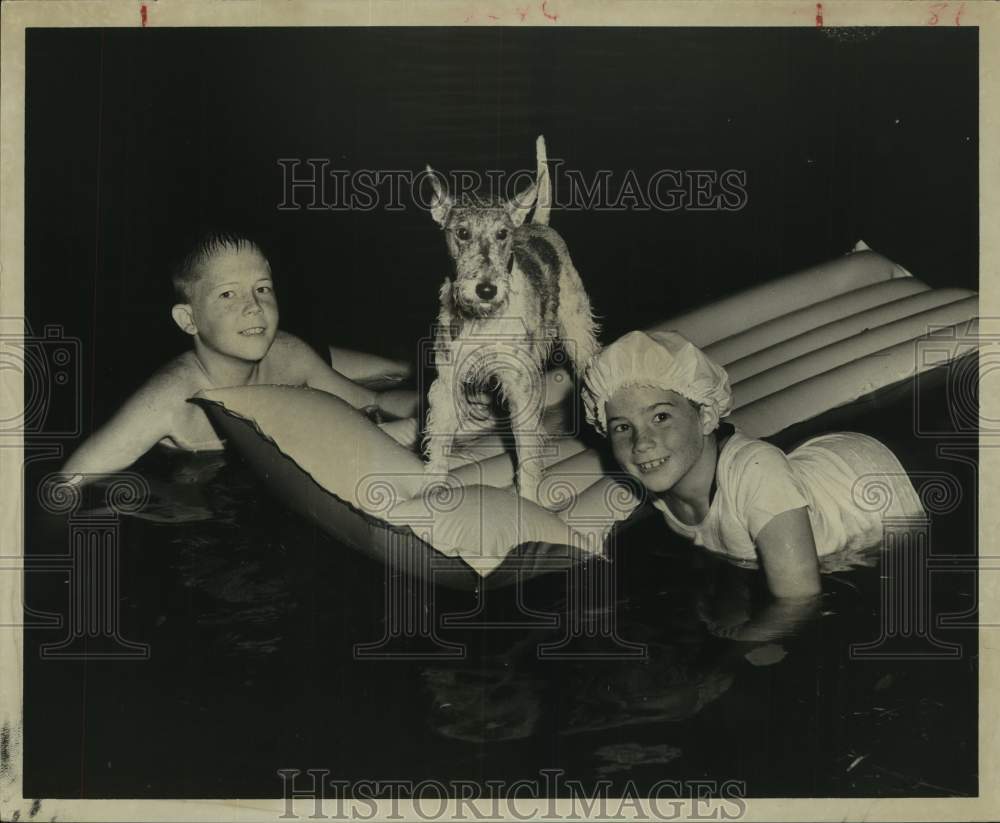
(502, 234)
(463, 234)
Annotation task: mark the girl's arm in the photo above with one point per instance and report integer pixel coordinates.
(788, 555)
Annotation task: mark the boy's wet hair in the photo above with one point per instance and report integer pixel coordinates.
(187, 270)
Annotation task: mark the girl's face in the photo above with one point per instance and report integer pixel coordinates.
(659, 437)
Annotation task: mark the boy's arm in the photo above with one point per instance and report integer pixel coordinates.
(300, 359)
(136, 427)
(356, 365)
(299, 363)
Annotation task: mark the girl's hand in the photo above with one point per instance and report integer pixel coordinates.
(788, 555)
(780, 618)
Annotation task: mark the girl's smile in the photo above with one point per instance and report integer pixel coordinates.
(651, 465)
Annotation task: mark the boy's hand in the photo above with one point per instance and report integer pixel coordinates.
(58, 489)
(396, 404)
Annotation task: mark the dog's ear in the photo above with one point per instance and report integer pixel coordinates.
(543, 201)
(519, 206)
(441, 203)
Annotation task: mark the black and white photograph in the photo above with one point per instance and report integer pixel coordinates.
(436, 411)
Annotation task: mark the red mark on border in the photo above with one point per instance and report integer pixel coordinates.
(522, 13)
(493, 17)
(958, 16)
(143, 15)
(545, 11)
(936, 10)
(819, 15)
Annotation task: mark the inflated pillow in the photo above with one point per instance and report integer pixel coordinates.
(343, 452)
(481, 524)
(338, 446)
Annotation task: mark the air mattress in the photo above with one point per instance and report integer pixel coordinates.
(797, 347)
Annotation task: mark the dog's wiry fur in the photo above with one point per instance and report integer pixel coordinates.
(514, 293)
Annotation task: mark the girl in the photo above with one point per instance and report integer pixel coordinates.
(660, 401)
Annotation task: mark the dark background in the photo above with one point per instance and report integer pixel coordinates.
(135, 138)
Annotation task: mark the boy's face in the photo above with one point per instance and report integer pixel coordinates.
(233, 309)
(657, 436)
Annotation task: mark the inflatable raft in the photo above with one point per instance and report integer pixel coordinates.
(796, 347)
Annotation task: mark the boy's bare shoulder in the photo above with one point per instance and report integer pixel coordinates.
(164, 399)
(285, 342)
(290, 360)
(175, 381)
(157, 411)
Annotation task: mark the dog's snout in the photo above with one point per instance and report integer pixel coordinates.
(486, 291)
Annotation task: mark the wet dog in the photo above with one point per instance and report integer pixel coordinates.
(513, 296)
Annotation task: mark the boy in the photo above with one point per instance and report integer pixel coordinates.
(228, 307)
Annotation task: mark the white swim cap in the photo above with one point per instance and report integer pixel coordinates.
(663, 360)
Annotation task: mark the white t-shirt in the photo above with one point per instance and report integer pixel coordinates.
(848, 482)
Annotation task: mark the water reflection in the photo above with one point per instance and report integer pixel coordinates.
(179, 484)
(483, 704)
(696, 641)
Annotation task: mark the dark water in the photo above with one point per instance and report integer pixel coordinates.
(252, 616)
